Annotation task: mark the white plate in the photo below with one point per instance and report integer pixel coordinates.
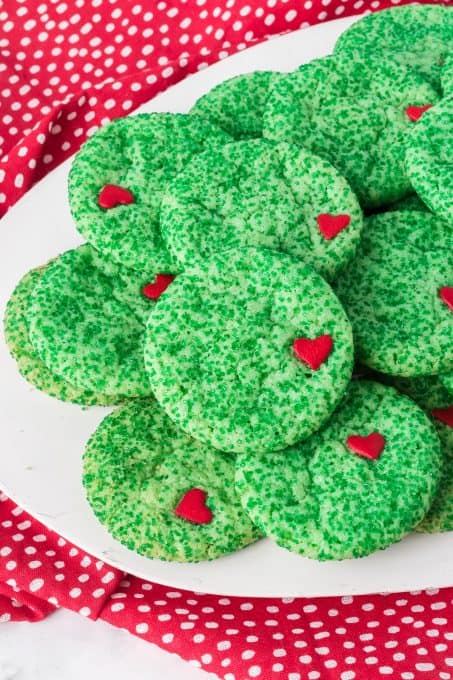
(42, 439)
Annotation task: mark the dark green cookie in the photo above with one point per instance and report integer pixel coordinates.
(429, 393)
(87, 319)
(138, 467)
(220, 356)
(392, 292)
(237, 105)
(138, 155)
(28, 362)
(413, 202)
(256, 193)
(355, 113)
(417, 35)
(429, 158)
(447, 381)
(324, 500)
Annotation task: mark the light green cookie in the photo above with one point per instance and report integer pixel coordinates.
(391, 292)
(353, 112)
(139, 154)
(429, 159)
(237, 105)
(220, 357)
(429, 393)
(256, 193)
(87, 319)
(417, 35)
(28, 362)
(138, 467)
(324, 500)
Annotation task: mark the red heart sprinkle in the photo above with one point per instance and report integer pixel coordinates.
(155, 289)
(416, 112)
(446, 294)
(445, 415)
(313, 352)
(369, 447)
(112, 195)
(331, 225)
(192, 507)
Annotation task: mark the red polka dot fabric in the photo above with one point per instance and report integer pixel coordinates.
(68, 67)
(65, 69)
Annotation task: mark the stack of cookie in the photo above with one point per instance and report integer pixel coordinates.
(239, 261)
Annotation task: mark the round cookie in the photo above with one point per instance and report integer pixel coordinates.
(355, 112)
(161, 493)
(395, 293)
(29, 364)
(237, 105)
(87, 320)
(429, 159)
(360, 483)
(118, 177)
(249, 351)
(419, 36)
(255, 193)
(429, 393)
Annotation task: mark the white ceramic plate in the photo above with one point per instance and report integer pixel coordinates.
(42, 439)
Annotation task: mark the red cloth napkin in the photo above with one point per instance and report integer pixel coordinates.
(65, 69)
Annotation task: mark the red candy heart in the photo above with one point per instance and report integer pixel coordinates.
(331, 225)
(192, 507)
(369, 447)
(155, 289)
(445, 415)
(313, 352)
(446, 294)
(416, 112)
(112, 195)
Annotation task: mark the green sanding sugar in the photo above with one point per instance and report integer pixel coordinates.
(429, 158)
(322, 500)
(255, 193)
(141, 154)
(391, 293)
(352, 111)
(219, 350)
(237, 104)
(447, 381)
(87, 320)
(30, 366)
(136, 469)
(447, 75)
(429, 393)
(417, 35)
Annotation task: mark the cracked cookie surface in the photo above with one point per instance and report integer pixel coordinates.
(322, 500)
(136, 468)
(219, 350)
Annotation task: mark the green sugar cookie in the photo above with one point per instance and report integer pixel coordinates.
(429, 393)
(249, 350)
(429, 159)
(355, 112)
(29, 364)
(419, 36)
(87, 319)
(395, 292)
(256, 193)
(237, 105)
(362, 482)
(118, 178)
(161, 493)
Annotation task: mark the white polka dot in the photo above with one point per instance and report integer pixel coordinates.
(167, 638)
(348, 675)
(11, 565)
(254, 671)
(5, 551)
(385, 670)
(18, 182)
(206, 658)
(142, 628)
(75, 592)
(36, 584)
(35, 564)
(85, 611)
